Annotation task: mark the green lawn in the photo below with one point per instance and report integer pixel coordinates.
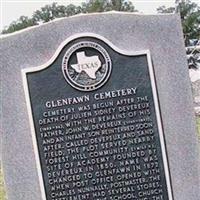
(2, 189)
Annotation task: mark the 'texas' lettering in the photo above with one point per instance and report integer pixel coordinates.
(86, 65)
(90, 65)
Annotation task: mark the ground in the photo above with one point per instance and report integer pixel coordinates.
(2, 189)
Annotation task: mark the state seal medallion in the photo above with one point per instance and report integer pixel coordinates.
(86, 66)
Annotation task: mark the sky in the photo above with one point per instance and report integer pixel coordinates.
(11, 10)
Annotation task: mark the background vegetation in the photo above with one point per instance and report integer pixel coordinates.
(189, 12)
(2, 189)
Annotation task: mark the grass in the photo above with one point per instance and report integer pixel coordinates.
(2, 189)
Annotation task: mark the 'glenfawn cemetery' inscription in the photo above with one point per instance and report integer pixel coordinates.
(98, 139)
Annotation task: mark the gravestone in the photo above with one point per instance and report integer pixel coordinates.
(99, 107)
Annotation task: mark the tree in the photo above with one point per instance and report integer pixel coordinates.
(122, 5)
(163, 9)
(21, 23)
(95, 6)
(190, 18)
(45, 14)
(107, 5)
(53, 11)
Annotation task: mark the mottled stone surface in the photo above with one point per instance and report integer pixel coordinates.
(160, 34)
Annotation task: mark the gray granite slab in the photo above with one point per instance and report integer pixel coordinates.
(161, 34)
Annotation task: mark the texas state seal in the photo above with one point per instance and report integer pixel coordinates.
(86, 66)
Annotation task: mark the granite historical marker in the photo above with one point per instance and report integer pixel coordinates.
(97, 129)
(98, 107)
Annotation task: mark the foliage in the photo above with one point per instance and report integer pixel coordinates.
(53, 11)
(107, 5)
(189, 12)
(95, 6)
(121, 5)
(190, 17)
(21, 23)
(2, 188)
(163, 9)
